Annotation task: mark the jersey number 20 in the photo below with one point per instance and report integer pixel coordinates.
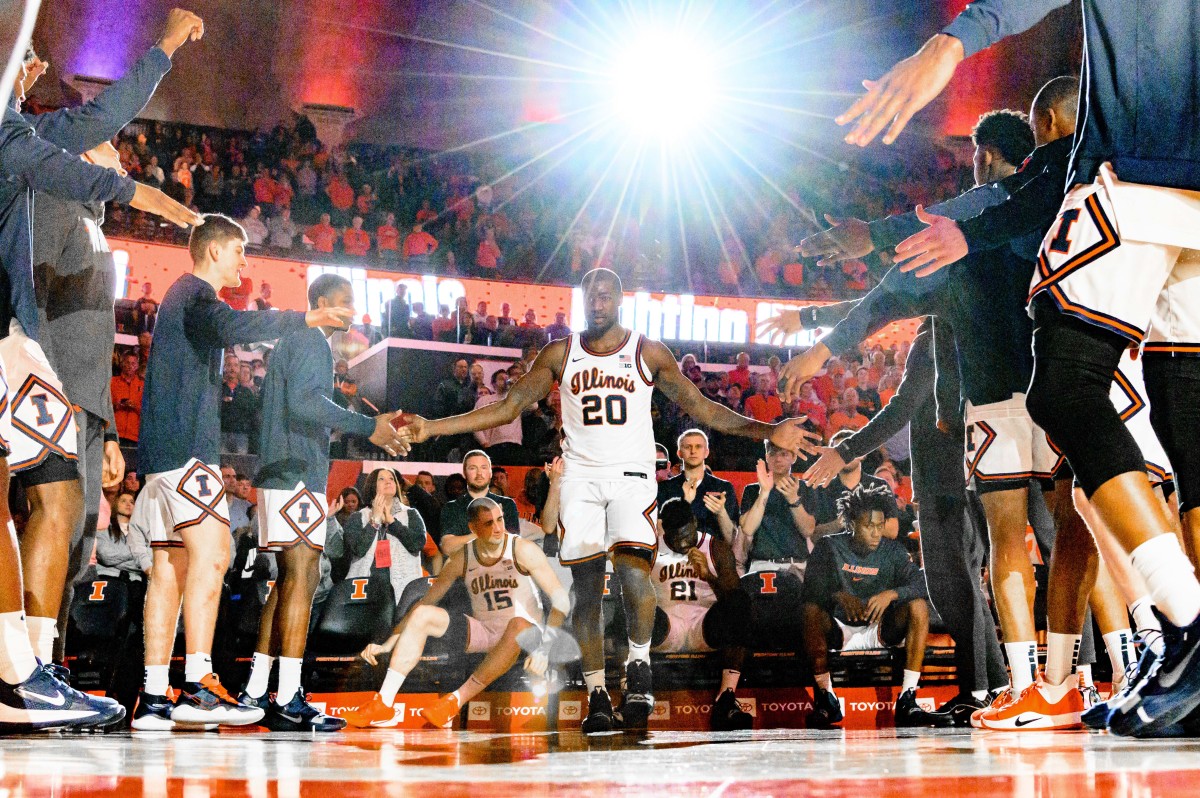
(614, 410)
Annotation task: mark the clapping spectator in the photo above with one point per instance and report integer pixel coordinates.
(282, 229)
(323, 234)
(256, 231)
(356, 241)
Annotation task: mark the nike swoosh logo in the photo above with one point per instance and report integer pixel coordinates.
(1019, 722)
(576, 359)
(291, 718)
(1168, 678)
(59, 700)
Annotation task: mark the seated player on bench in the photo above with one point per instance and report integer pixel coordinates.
(503, 573)
(862, 592)
(701, 604)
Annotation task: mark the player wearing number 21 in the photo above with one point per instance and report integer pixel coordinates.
(607, 375)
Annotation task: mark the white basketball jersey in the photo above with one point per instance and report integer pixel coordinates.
(607, 427)
(501, 590)
(676, 583)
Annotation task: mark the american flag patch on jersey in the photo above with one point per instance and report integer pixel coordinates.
(626, 361)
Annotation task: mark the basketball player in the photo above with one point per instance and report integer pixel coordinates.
(183, 501)
(863, 592)
(503, 573)
(702, 605)
(606, 376)
(1129, 218)
(43, 435)
(298, 413)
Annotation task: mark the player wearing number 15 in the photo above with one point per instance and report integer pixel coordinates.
(503, 574)
(608, 494)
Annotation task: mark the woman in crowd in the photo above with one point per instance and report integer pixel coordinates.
(385, 530)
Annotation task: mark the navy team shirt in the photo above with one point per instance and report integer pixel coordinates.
(181, 403)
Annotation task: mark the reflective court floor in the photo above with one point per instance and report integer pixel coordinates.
(443, 764)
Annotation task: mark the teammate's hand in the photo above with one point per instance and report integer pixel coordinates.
(554, 469)
(386, 437)
(829, 464)
(799, 370)
(877, 605)
(853, 606)
(112, 471)
(715, 502)
(777, 328)
(766, 482)
(33, 70)
(417, 428)
(337, 318)
(151, 200)
(699, 563)
(846, 239)
(182, 26)
(934, 248)
(791, 435)
(372, 652)
(907, 88)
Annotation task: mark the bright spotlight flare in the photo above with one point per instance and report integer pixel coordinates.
(665, 85)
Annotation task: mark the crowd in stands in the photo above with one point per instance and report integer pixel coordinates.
(391, 207)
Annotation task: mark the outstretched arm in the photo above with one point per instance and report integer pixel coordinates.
(530, 557)
(679, 389)
(913, 83)
(529, 390)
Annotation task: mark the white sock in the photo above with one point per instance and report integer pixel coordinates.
(42, 632)
(594, 679)
(1144, 618)
(289, 679)
(638, 652)
(196, 666)
(910, 680)
(17, 659)
(979, 695)
(1170, 578)
(1022, 663)
(260, 674)
(391, 686)
(824, 681)
(158, 679)
(729, 680)
(1121, 652)
(1085, 675)
(1062, 652)
(470, 688)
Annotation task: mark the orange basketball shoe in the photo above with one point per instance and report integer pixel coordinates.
(374, 715)
(1002, 699)
(441, 713)
(1038, 709)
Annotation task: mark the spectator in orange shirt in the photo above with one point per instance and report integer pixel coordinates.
(323, 235)
(887, 389)
(283, 190)
(264, 188)
(127, 399)
(809, 404)
(238, 298)
(489, 257)
(387, 238)
(741, 374)
(764, 404)
(419, 244)
(848, 417)
(364, 203)
(341, 197)
(356, 241)
(426, 213)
